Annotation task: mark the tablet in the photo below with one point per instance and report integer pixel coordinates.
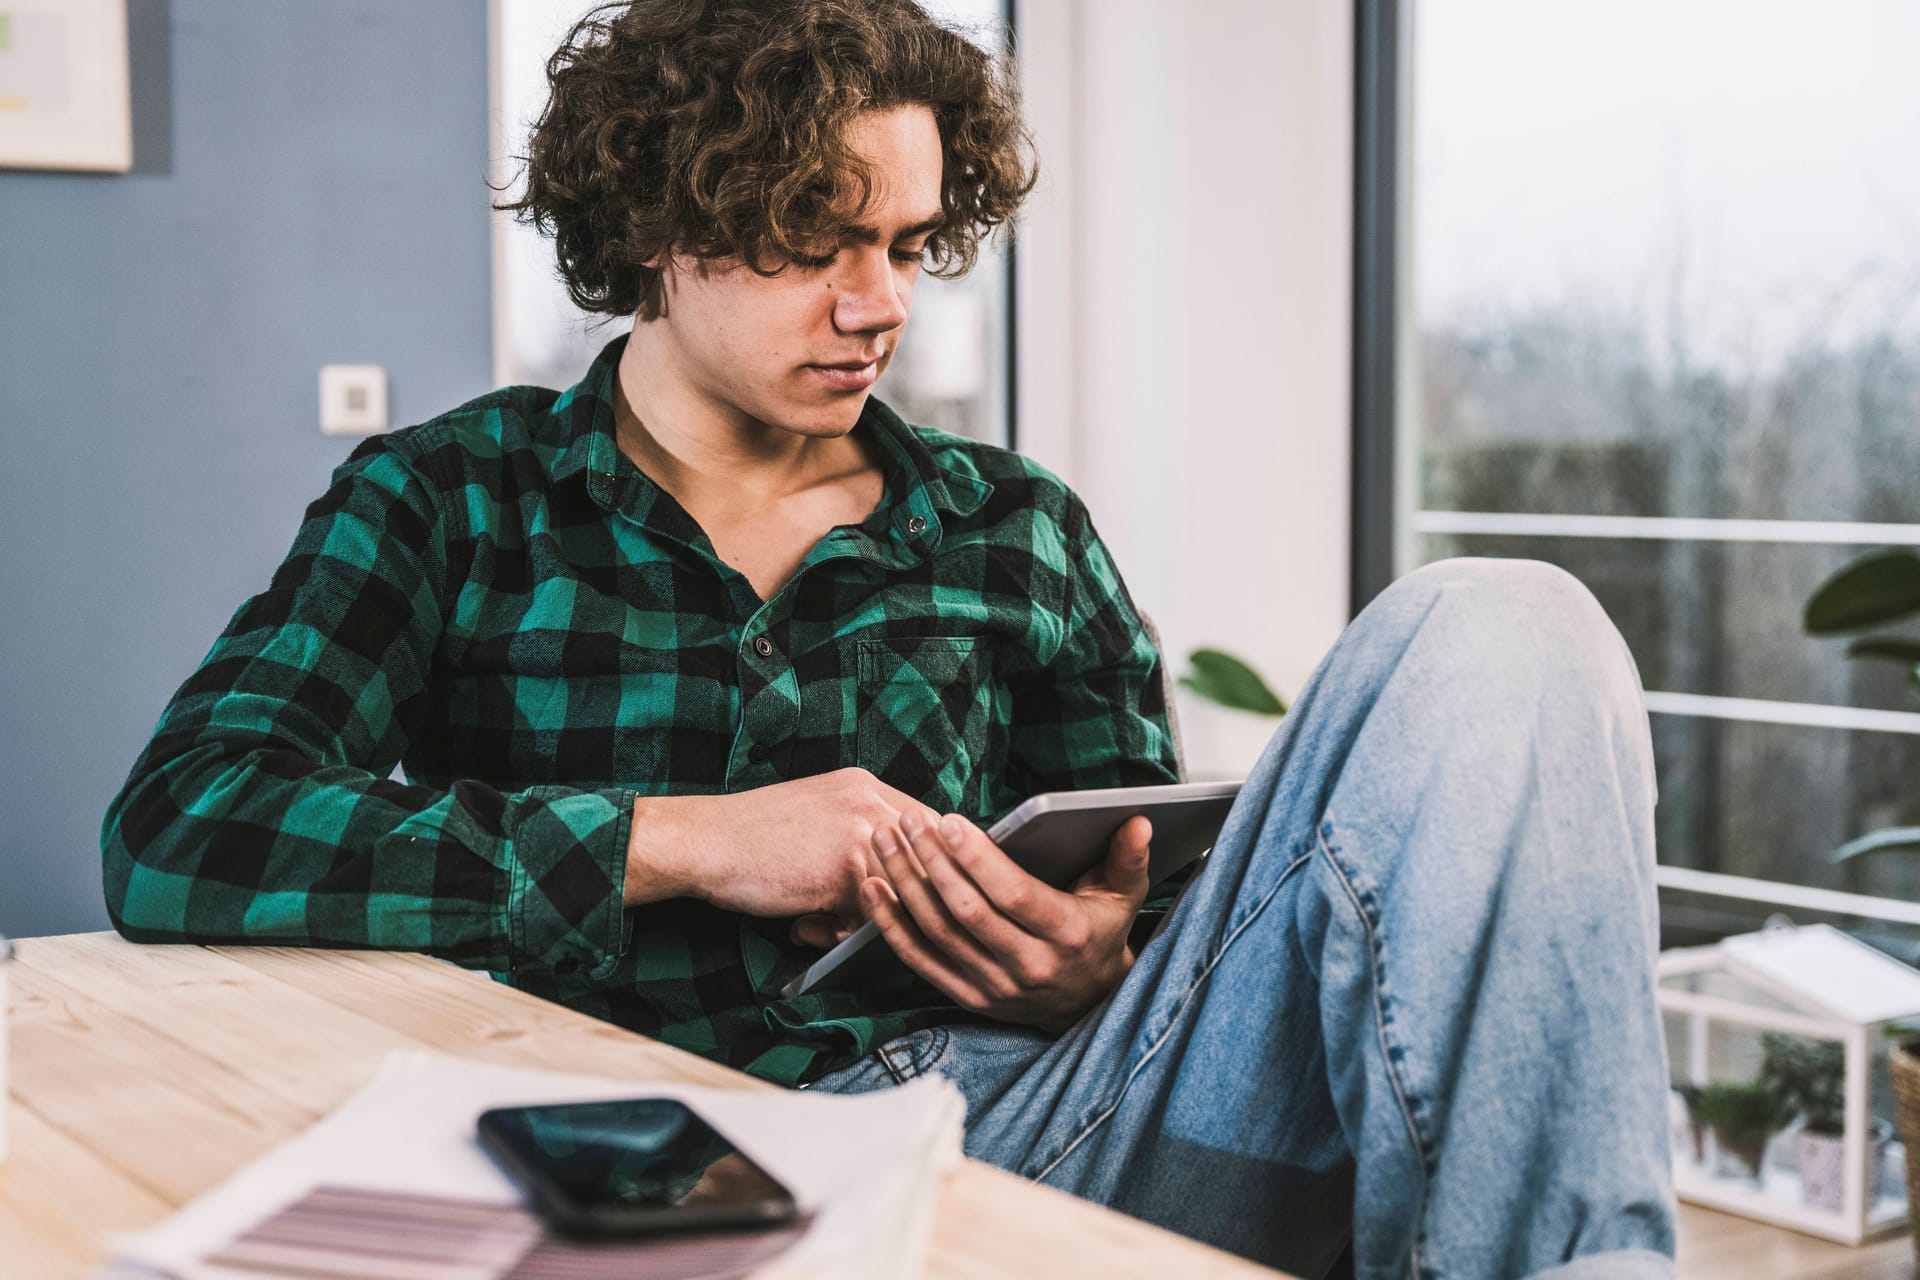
(1057, 837)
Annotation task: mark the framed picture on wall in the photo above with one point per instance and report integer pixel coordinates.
(63, 85)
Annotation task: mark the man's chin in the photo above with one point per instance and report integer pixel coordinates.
(827, 420)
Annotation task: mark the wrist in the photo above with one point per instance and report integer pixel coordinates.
(656, 850)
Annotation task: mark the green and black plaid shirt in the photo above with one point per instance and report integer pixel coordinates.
(500, 601)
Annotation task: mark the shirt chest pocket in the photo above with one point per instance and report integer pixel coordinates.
(926, 716)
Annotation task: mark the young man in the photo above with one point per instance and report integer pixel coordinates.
(702, 662)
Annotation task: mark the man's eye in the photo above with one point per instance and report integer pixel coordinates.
(816, 261)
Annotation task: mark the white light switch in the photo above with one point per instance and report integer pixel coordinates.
(353, 399)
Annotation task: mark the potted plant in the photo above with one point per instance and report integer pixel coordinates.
(1876, 591)
(1873, 591)
(1235, 715)
(1741, 1117)
(1810, 1077)
(1695, 1132)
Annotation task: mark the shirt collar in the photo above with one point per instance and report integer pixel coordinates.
(918, 488)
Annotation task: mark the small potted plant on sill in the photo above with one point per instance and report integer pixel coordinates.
(1741, 1117)
(1695, 1131)
(1810, 1078)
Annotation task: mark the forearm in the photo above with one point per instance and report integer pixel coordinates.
(228, 842)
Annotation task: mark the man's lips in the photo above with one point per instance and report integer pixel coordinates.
(848, 375)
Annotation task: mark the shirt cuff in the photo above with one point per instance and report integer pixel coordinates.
(567, 875)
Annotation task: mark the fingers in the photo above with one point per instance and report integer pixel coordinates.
(822, 930)
(895, 805)
(1032, 904)
(1015, 959)
(976, 907)
(1129, 855)
(954, 926)
(885, 910)
(926, 910)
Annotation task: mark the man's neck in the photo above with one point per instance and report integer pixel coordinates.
(709, 456)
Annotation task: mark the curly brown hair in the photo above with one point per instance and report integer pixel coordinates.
(716, 128)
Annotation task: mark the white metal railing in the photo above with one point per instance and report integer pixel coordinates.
(1667, 528)
(1680, 529)
(1759, 710)
(1747, 889)
(1809, 714)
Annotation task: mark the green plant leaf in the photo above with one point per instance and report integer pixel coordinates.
(1809, 1076)
(1887, 838)
(1891, 649)
(1750, 1107)
(1222, 678)
(1878, 588)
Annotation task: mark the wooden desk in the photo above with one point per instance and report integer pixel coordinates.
(142, 1076)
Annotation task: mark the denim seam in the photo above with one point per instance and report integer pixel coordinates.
(1199, 980)
(1380, 1021)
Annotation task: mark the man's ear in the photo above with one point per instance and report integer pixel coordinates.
(653, 304)
(653, 294)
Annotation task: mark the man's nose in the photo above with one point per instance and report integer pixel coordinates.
(869, 298)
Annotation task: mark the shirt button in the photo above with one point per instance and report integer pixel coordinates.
(757, 754)
(916, 524)
(763, 647)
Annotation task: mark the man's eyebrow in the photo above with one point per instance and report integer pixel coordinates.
(867, 234)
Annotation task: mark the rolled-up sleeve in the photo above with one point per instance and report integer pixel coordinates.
(263, 810)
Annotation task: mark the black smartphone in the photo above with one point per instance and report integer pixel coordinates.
(632, 1167)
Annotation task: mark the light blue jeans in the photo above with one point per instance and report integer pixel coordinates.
(1410, 997)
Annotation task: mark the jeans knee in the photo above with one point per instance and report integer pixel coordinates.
(1499, 583)
(1517, 625)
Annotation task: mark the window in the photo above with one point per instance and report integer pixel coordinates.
(1639, 295)
(954, 370)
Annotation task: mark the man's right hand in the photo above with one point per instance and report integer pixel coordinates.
(799, 848)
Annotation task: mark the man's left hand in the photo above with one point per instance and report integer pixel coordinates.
(995, 939)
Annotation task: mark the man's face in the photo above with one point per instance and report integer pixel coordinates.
(799, 351)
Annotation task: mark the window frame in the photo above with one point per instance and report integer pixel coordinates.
(1378, 222)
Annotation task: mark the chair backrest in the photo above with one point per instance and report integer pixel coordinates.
(1167, 686)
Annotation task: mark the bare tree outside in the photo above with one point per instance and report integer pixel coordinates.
(1667, 350)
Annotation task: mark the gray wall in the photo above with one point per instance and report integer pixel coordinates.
(308, 189)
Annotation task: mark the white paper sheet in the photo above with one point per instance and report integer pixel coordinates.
(867, 1167)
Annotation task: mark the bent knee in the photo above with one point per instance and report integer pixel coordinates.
(1519, 621)
(1500, 582)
